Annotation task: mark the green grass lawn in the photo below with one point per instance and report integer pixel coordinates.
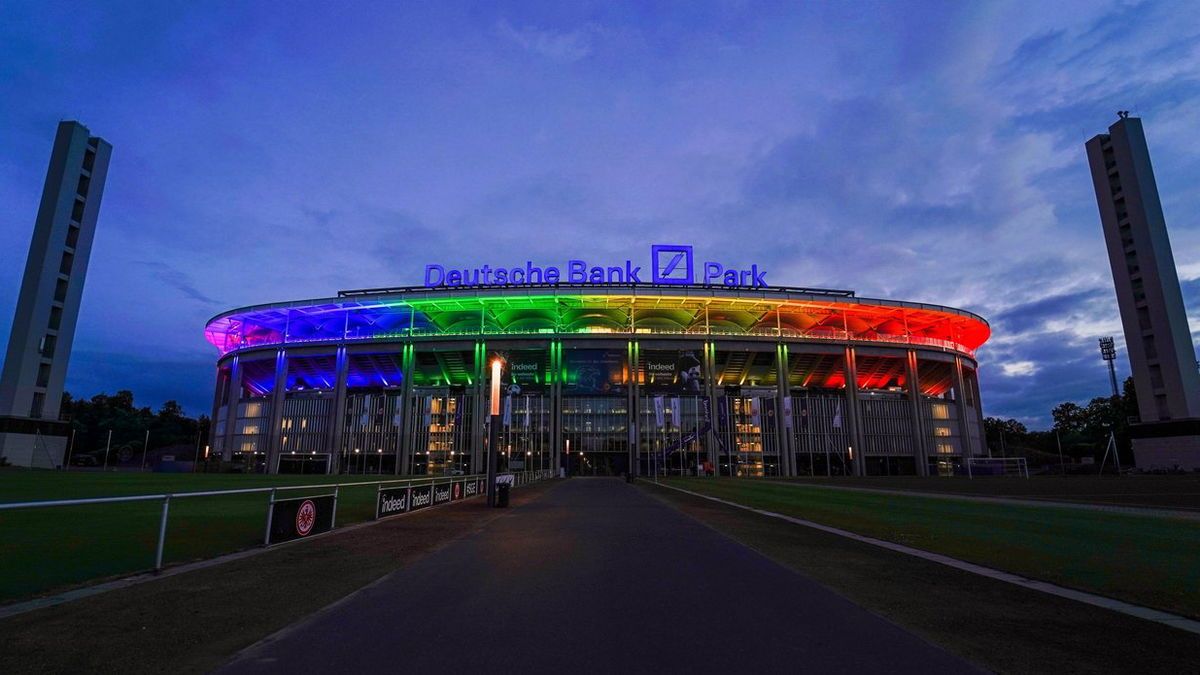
(1150, 561)
(53, 547)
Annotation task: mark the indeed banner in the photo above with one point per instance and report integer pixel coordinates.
(392, 501)
(670, 264)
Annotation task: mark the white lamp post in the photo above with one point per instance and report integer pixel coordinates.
(493, 453)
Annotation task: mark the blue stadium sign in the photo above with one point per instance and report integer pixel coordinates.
(670, 264)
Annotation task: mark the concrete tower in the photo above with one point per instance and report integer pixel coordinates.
(1157, 337)
(39, 346)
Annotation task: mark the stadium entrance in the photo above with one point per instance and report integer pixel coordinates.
(596, 435)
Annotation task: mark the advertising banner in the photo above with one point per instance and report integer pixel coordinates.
(456, 490)
(442, 493)
(392, 501)
(419, 497)
(679, 372)
(524, 371)
(595, 371)
(300, 517)
(471, 488)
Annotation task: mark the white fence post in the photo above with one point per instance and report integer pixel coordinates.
(270, 518)
(162, 533)
(333, 516)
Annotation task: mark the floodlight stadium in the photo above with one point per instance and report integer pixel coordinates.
(599, 378)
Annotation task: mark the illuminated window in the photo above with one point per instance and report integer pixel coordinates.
(253, 409)
(941, 431)
(940, 411)
(945, 448)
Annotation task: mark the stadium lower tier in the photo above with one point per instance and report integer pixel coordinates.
(600, 406)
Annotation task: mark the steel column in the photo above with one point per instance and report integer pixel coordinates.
(477, 406)
(338, 413)
(852, 413)
(407, 356)
(783, 421)
(278, 396)
(231, 406)
(968, 445)
(920, 442)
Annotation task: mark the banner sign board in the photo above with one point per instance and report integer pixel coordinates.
(300, 517)
(392, 501)
(679, 371)
(595, 371)
(441, 493)
(671, 264)
(420, 496)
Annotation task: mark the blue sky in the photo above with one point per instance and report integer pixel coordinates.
(918, 151)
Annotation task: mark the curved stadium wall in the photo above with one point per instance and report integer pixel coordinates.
(599, 380)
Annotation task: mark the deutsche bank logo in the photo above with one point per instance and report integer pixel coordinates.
(671, 264)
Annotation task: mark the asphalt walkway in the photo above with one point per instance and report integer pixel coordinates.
(595, 576)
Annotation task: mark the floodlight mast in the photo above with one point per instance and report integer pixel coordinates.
(1108, 352)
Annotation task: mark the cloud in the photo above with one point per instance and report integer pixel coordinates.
(1018, 368)
(179, 281)
(567, 47)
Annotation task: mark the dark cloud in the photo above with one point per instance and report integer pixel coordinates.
(179, 281)
(1027, 317)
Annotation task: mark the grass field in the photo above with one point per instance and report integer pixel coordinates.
(54, 547)
(1151, 561)
(1171, 492)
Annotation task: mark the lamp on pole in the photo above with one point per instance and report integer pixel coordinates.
(493, 451)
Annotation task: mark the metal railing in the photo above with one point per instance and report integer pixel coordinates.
(519, 478)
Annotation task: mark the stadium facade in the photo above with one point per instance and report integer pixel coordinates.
(680, 368)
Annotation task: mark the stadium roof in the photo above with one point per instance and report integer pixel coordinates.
(642, 309)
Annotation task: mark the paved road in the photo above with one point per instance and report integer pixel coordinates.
(595, 576)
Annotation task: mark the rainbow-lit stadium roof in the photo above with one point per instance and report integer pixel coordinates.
(642, 309)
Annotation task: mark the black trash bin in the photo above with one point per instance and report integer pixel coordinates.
(502, 495)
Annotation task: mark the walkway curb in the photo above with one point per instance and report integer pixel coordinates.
(1157, 616)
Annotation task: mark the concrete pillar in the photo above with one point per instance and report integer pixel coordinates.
(337, 416)
(274, 428)
(556, 427)
(408, 418)
(783, 424)
(852, 414)
(710, 385)
(479, 407)
(633, 406)
(983, 449)
(549, 402)
(221, 388)
(920, 442)
(960, 395)
(231, 406)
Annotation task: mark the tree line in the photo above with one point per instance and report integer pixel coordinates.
(92, 419)
(1082, 431)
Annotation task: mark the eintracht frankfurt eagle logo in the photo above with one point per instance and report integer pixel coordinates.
(306, 516)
